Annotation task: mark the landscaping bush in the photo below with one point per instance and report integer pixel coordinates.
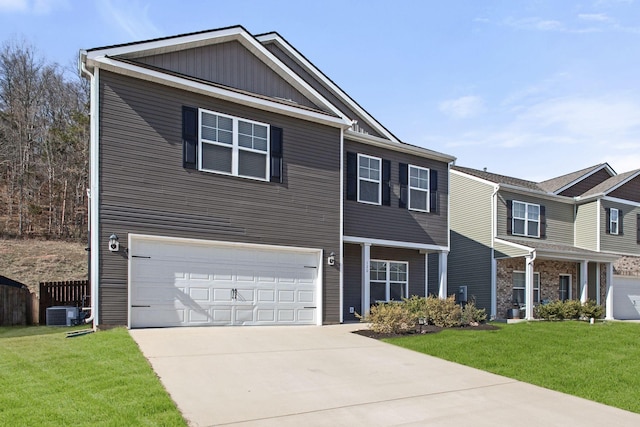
(444, 313)
(472, 314)
(391, 318)
(418, 307)
(569, 309)
(591, 309)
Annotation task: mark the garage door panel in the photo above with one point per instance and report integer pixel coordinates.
(204, 284)
(626, 298)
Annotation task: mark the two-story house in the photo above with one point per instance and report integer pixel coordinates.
(516, 243)
(233, 183)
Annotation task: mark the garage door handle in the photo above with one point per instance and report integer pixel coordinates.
(310, 266)
(138, 306)
(309, 307)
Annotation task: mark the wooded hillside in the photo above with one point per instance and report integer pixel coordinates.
(44, 147)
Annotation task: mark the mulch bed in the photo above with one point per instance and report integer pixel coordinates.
(426, 329)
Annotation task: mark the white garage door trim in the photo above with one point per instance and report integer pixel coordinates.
(136, 241)
(626, 297)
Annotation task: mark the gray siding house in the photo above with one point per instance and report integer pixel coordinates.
(233, 183)
(516, 243)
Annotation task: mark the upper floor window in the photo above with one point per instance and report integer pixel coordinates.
(233, 146)
(418, 188)
(614, 216)
(369, 179)
(526, 219)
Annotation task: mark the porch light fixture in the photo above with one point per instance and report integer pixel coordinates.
(114, 244)
(331, 259)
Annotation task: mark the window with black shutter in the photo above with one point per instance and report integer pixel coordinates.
(190, 137)
(404, 182)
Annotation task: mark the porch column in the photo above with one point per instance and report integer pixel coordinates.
(494, 293)
(598, 283)
(528, 287)
(608, 308)
(426, 274)
(442, 290)
(366, 289)
(584, 281)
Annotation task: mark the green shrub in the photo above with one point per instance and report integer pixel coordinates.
(391, 318)
(418, 307)
(444, 313)
(569, 310)
(472, 314)
(572, 309)
(591, 309)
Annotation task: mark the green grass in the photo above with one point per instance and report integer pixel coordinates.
(99, 379)
(598, 362)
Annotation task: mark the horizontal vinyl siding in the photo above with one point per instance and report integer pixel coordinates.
(628, 191)
(392, 222)
(559, 217)
(502, 250)
(352, 281)
(144, 188)
(229, 64)
(627, 242)
(469, 262)
(587, 226)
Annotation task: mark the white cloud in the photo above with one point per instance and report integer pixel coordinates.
(132, 17)
(13, 5)
(38, 7)
(463, 107)
(597, 17)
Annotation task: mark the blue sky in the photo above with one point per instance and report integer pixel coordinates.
(530, 88)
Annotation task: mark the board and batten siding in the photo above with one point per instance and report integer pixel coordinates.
(320, 87)
(469, 261)
(559, 217)
(144, 188)
(587, 226)
(625, 243)
(392, 222)
(229, 64)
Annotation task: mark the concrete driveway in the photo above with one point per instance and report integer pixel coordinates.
(327, 376)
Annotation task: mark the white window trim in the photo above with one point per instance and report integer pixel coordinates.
(526, 219)
(616, 222)
(235, 146)
(378, 181)
(427, 191)
(388, 280)
(524, 288)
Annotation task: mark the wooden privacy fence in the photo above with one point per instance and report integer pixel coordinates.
(70, 293)
(15, 304)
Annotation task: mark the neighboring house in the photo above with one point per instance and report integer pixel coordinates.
(516, 243)
(232, 183)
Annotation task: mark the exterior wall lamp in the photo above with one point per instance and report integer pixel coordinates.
(114, 244)
(331, 259)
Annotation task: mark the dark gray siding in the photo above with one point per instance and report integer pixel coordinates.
(324, 91)
(144, 188)
(229, 64)
(586, 184)
(628, 191)
(392, 222)
(353, 273)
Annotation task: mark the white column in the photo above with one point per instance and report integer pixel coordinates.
(494, 286)
(528, 288)
(366, 289)
(426, 274)
(609, 298)
(442, 290)
(598, 283)
(584, 281)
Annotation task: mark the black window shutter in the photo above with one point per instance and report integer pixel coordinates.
(189, 137)
(620, 215)
(543, 221)
(276, 154)
(608, 220)
(638, 228)
(433, 190)
(386, 182)
(509, 216)
(352, 176)
(404, 182)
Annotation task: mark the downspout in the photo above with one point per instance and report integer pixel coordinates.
(494, 278)
(93, 192)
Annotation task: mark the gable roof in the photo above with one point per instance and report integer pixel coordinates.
(558, 184)
(500, 179)
(611, 184)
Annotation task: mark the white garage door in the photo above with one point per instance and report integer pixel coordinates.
(189, 283)
(626, 298)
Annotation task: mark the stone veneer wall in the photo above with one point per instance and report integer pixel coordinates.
(627, 265)
(549, 270)
(603, 284)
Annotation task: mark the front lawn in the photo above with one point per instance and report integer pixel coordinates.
(598, 362)
(99, 379)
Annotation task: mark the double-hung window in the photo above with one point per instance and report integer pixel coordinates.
(418, 188)
(369, 179)
(614, 221)
(519, 287)
(233, 146)
(526, 219)
(388, 280)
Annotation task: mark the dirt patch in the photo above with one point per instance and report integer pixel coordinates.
(427, 329)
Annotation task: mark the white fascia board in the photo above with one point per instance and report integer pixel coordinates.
(568, 256)
(395, 244)
(327, 82)
(623, 182)
(621, 201)
(515, 245)
(475, 178)
(604, 166)
(540, 194)
(219, 36)
(397, 146)
(125, 68)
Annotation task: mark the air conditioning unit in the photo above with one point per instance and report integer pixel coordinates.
(62, 315)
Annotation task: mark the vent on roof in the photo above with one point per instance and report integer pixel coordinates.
(62, 316)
